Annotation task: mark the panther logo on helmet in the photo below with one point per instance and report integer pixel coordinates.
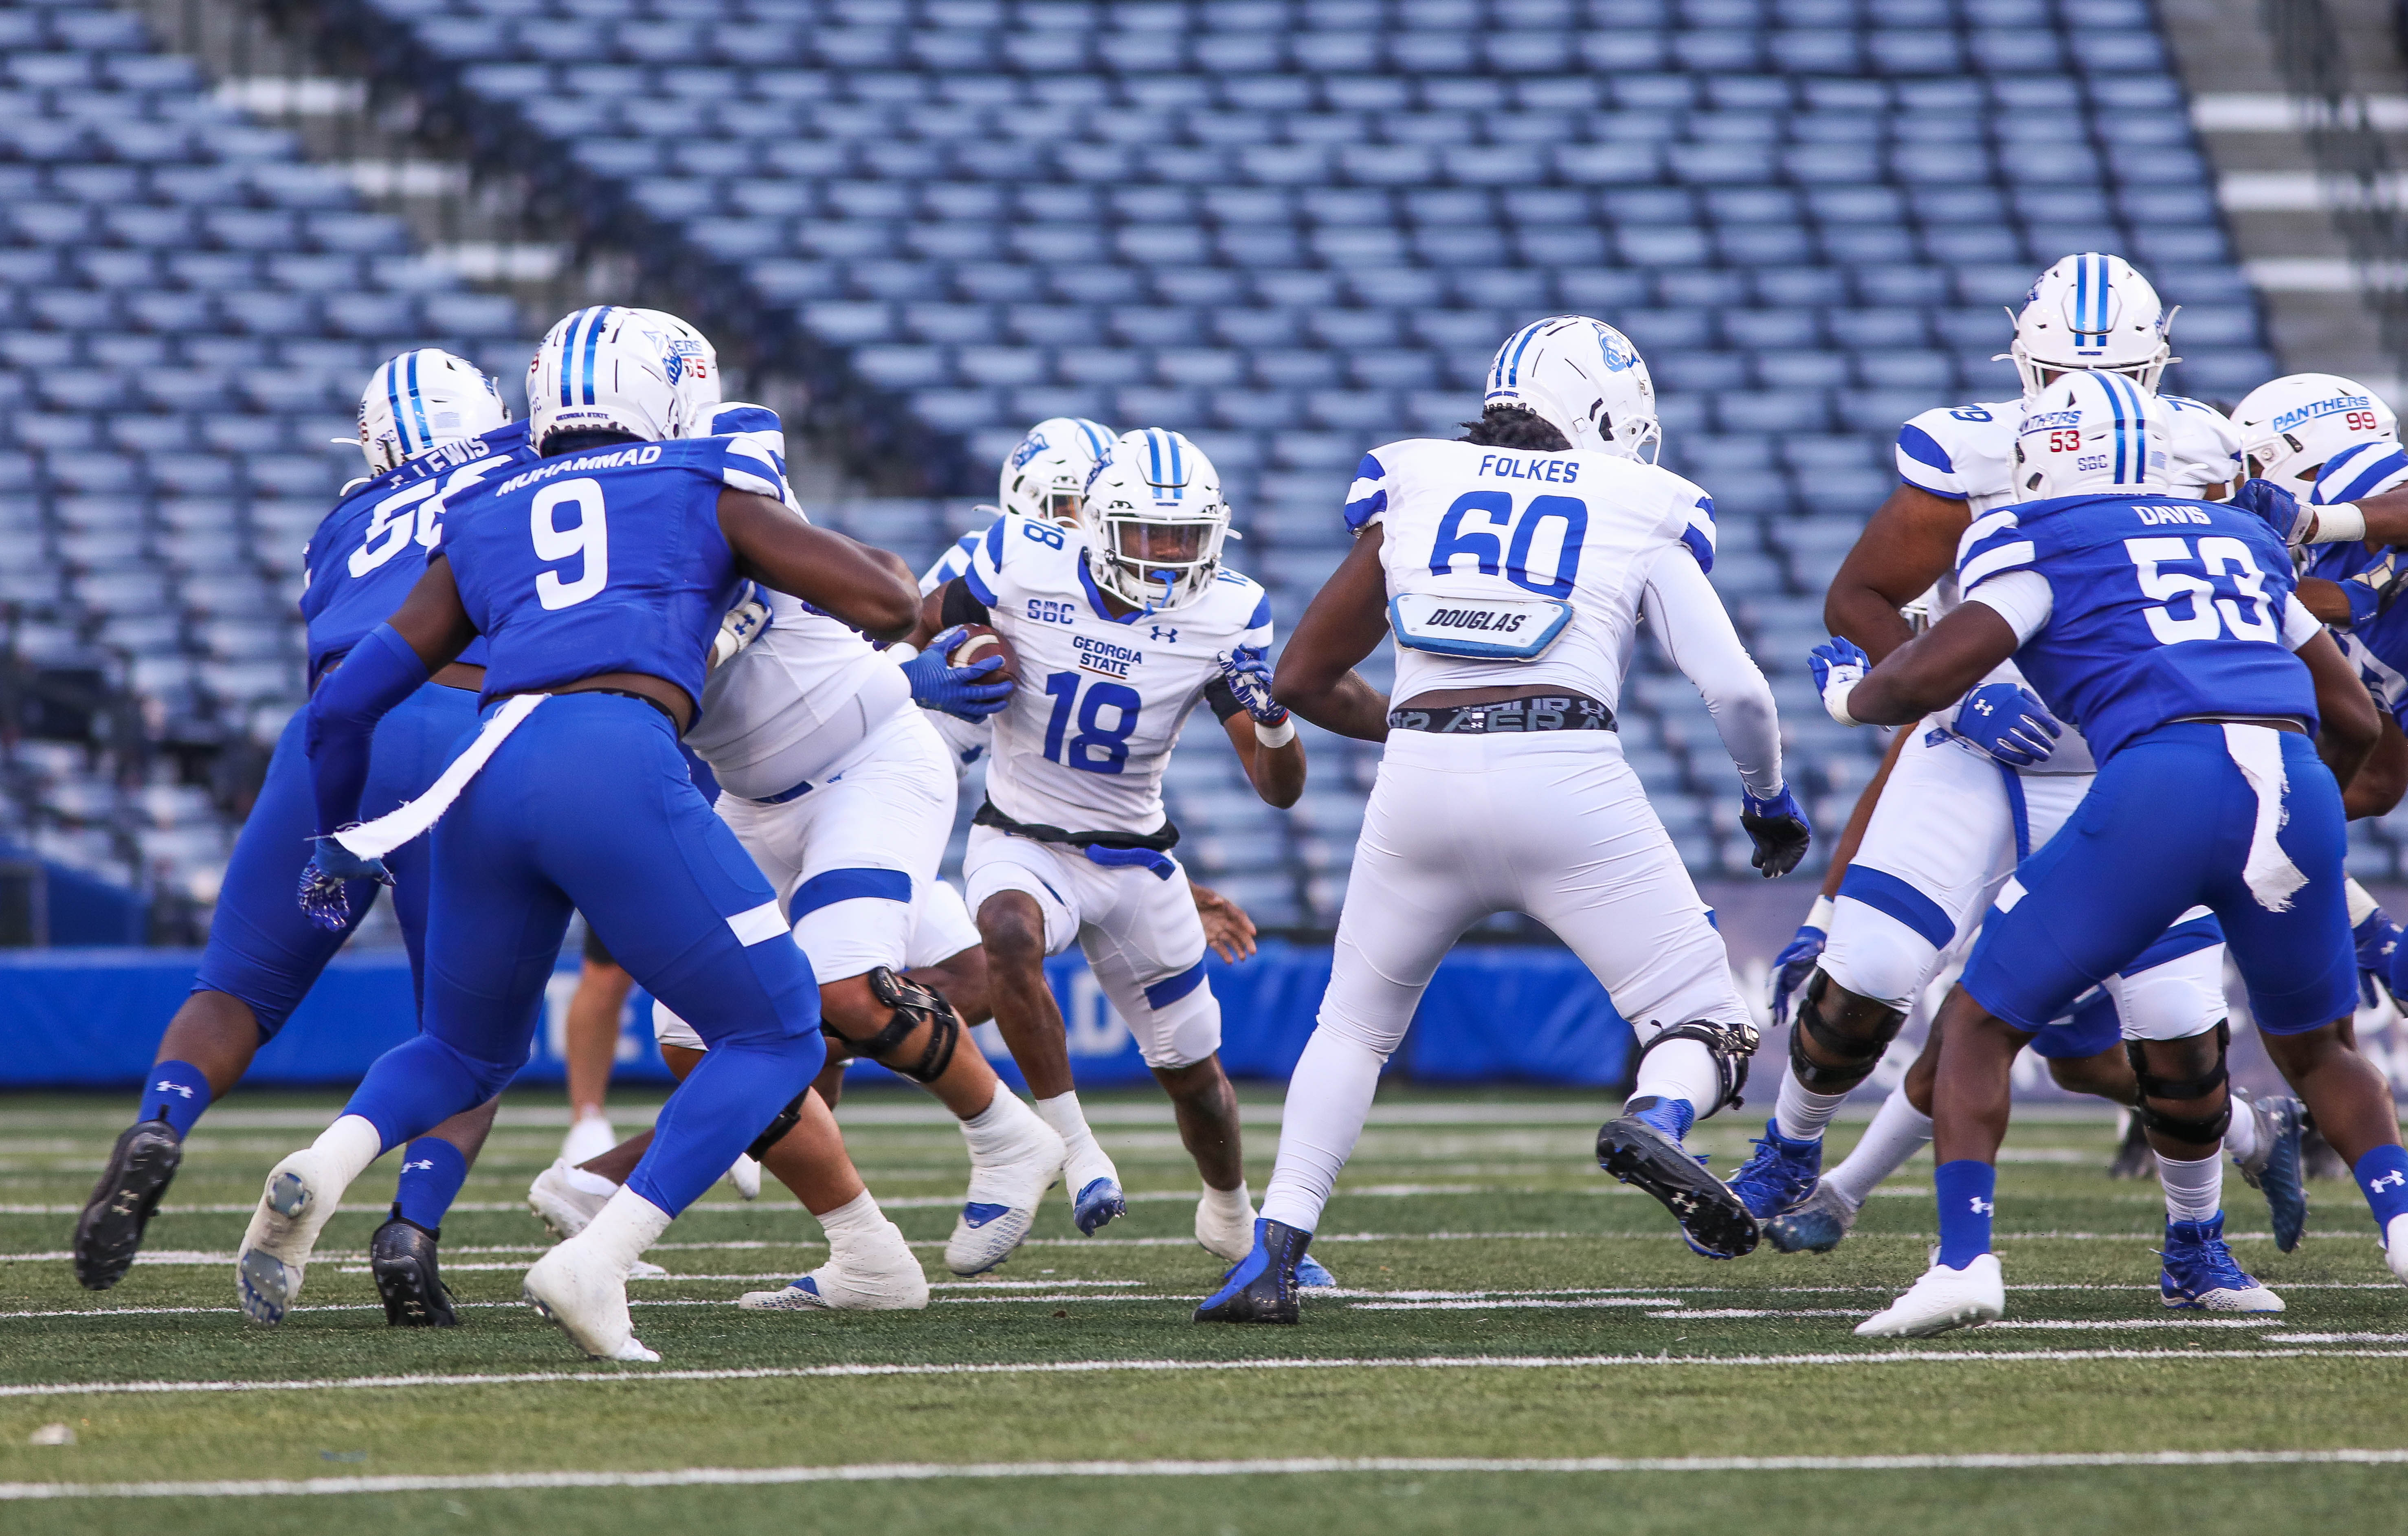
(1046, 476)
(615, 368)
(1155, 519)
(2292, 426)
(1583, 378)
(2089, 433)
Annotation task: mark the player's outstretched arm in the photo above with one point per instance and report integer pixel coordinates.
(1346, 623)
(1260, 728)
(1909, 543)
(1695, 630)
(2346, 718)
(2382, 780)
(425, 634)
(1932, 669)
(867, 588)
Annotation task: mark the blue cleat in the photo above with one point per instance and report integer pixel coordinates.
(2277, 1170)
(1261, 1287)
(2202, 1276)
(1099, 1202)
(1816, 1227)
(1311, 1276)
(1781, 1174)
(1712, 1221)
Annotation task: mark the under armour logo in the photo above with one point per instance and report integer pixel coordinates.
(1982, 705)
(426, 1166)
(1983, 1207)
(2392, 1180)
(172, 1087)
(1168, 637)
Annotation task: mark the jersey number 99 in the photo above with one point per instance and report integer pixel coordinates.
(587, 540)
(2215, 605)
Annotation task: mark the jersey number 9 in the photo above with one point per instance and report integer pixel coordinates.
(589, 538)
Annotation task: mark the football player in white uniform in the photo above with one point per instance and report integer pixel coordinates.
(1513, 566)
(1120, 628)
(839, 789)
(1973, 790)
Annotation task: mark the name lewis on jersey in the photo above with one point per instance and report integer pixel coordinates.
(1106, 658)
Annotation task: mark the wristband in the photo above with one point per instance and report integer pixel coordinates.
(2361, 902)
(901, 653)
(1835, 699)
(1275, 736)
(2342, 522)
(1819, 915)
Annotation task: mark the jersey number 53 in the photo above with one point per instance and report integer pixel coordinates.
(2214, 606)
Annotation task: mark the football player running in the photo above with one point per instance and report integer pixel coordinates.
(1979, 786)
(599, 624)
(431, 424)
(1513, 566)
(1122, 626)
(2163, 624)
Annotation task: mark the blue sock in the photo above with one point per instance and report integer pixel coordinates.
(2383, 1175)
(1673, 1116)
(432, 1170)
(1967, 1193)
(176, 1093)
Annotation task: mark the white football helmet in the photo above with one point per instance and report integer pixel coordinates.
(2290, 427)
(422, 399)
(1046, 476)
(2090, 434)
(1585, 379)
(2091, 311)
(1155, 519)
(613, 368)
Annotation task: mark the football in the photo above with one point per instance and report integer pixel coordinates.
(980, 641)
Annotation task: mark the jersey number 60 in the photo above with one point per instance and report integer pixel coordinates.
(1512, 552)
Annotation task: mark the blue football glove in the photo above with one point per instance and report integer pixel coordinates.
(2278, 509)
(1249, 677)
(1778, 828)
(966, 693)
(2008, 721)
(2377, 939)
(325, 897)
(1839, 665)
(1796, 962)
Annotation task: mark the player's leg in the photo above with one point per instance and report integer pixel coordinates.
(591, 1047)
(945, 956)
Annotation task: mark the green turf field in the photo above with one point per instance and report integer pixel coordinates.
(1521, 1344)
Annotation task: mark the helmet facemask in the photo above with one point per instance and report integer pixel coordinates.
(1154, 521)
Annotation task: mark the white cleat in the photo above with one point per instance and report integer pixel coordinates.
(1004, 1193)
(300, 1196)
(588, 1138)
(2395, 1247)
(1944, 1299)
(745, 1174)
(565, 1207)
(586, 1295)
(1231, 1240)
(877, 1275)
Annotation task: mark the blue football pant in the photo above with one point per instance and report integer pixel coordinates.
(589, 806)
(262, 950)
(2166, 827)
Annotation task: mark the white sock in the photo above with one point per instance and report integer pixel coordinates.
(1328, 1099)
(1002, 1126)
(1087, 1160)
(1898, 1131)
(2194, 1190)
(348, 1146)
(1682, 1069)
(1230, 1206)
(855, 1219)
(1801, 1113)
(2241, 1136)
(623, 1230)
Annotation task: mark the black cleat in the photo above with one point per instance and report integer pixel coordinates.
(1261, 1287)
(1711, 1218)
(402, 1257)
(2134, 1158)
(109, 1232)
(2317, 1158)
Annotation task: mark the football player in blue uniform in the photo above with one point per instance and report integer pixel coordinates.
(2168, 630)
(431, 425)
(599, 577)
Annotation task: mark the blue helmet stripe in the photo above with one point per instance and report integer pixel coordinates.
(418, 407)
(393, 402)
(1178, 471)
(1512, 368)
(568, 353)
(593, 347)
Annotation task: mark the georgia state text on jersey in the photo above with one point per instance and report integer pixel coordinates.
(372, 548)
(1101, 699)
(2155, 610)
(1486, 532)
(609, 561)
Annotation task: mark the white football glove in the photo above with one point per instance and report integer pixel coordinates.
(744, 623)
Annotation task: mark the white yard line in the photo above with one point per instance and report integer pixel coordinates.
(1508, 1303)
(1298, 1466)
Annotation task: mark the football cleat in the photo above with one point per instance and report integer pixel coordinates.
(2395, 1247)
(2277, 1172)
(1780, 1176)
(587, 1298)
(1099, 1203)
(2202, 1276)
(1261, 1287)
(1942, 1300)
(1712, 1221)
(564, 1207)
(401, 1256)
(1004, 1195)
(109, 1232)
(299, 1200)
(1816, 1226)
(1310, 1275)
(2134, 1158)
(878, 1275)
(745, 1174)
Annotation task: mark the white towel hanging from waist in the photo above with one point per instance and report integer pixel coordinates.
(2258, 752)
(375, 838)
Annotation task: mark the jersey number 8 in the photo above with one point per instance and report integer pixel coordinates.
(588, 537)
(2213, 612)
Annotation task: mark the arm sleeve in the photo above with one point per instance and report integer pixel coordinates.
(378, 673)
(1223, 698)
(963, 606)
(2300, 626)
(1697, 633)
(2025, 599)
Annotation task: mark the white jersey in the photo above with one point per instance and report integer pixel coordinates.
(787, 708)
(966, 741)
(1469, 523)
(1101, 700)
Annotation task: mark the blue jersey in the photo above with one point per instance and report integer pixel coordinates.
(609, 561)
(2377, 646)
(372, 548)
(2361, 469)
(2156, 609)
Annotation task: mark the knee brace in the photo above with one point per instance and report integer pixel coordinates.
(2191, 1129)
(912, 1005)
(1858, 1054)
(1732, 1045)
(788, 1118)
